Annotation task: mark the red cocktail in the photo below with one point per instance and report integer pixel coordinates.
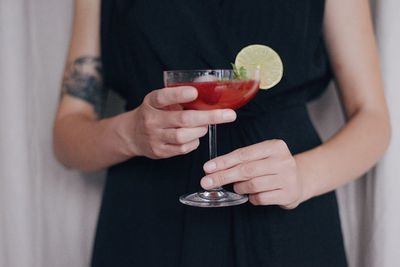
(221, 94)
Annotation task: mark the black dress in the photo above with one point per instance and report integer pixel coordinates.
(141, 222)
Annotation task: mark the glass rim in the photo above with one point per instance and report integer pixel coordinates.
(196, 70)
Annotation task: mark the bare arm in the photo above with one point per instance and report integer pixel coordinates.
(359, 145)
(271, 175)
(78, 135)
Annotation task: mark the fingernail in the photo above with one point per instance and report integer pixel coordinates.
(228, 115)
(210, 166)
(206, 182)
(189, 93)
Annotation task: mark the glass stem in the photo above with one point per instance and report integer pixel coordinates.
(212, 146)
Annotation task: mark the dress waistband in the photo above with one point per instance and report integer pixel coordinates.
(272, 102)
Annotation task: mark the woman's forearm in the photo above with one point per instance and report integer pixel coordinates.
(354, 59)
(347, 155)
(157, 129)
(89, 145)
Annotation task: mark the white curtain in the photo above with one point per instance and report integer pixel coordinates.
(48, 213)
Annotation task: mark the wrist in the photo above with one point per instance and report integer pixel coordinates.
(123, 131)
(306, 178)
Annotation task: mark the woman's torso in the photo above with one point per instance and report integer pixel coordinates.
(141, 221)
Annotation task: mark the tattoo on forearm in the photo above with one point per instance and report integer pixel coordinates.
(83, 79)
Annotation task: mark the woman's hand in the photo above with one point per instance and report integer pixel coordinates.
(266, 171)
(159, 128)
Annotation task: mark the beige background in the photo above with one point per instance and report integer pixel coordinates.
(48, 213)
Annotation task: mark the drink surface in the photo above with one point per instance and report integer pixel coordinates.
(221, 94)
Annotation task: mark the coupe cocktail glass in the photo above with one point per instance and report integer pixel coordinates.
(217, 89)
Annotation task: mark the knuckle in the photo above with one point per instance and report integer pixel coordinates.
(188, 147)
(215, 117)
(156, 97)
(292, 206)
(219, 179)
(182, 149)
(148, 121)
(241, 154)
(156, 151)
(179, 136)
(237, 188)
(292, 164)
(176, 93)
(259, 199)
(153, 144)
(253, 201)
(252, 186)
(280, 144)
(204, 131)
(247, 170)
(221, 162)
(290, 198)
(288, 205)
(149, 97)
(263, 199)
(151, 156)
(184, 119)
(196, 143)
(181, 119)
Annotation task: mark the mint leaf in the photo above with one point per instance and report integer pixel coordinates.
(243, 73)
(235, 71)
(239, 73)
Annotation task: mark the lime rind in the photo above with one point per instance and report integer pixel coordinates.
(266, 59)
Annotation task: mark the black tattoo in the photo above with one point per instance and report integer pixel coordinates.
(83, 79)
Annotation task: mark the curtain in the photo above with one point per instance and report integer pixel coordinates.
(48, 213)
(385, 234)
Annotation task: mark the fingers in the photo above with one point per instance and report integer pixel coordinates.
(173, 117)
(169, 96)
(257, 185)
(196, 118)
(242, 172)
(176, 150)
(250, 153)
(274, 197)
(266, 171)
(182, 136)
(168, 150)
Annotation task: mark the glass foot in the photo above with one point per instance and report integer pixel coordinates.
(213, 199)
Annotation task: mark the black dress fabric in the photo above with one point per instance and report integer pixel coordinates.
(141, 221)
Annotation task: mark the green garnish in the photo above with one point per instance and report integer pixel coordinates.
(239, 73)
